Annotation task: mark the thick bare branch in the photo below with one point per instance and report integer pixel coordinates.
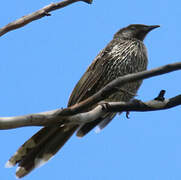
(51, 117)
(37, 15)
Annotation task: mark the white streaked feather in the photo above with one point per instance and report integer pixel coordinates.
(9, 164)
(20, 171)
(41, 161)
(97, 130)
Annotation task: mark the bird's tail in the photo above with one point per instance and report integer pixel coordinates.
(40, 148)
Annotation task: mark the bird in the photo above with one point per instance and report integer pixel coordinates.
(124, 54)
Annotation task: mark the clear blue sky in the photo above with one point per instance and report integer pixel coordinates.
(41, 63)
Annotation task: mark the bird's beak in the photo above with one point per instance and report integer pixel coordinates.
(150, 28)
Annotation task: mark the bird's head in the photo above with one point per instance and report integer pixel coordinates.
(138, 31)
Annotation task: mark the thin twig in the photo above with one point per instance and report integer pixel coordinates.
(37, 15)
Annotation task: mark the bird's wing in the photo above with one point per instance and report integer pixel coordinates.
(87, 85)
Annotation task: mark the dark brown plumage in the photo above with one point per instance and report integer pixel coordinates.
(125, 54)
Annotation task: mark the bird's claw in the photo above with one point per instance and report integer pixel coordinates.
(127, 114)
(105, 106)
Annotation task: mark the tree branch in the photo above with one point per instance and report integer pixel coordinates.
(139, 106)
(75, 114)
(49, 118)
(37, 15)
(112, 87)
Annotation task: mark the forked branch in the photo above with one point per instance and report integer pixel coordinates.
(75, 114)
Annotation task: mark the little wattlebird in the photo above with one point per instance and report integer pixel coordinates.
(125, 54)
